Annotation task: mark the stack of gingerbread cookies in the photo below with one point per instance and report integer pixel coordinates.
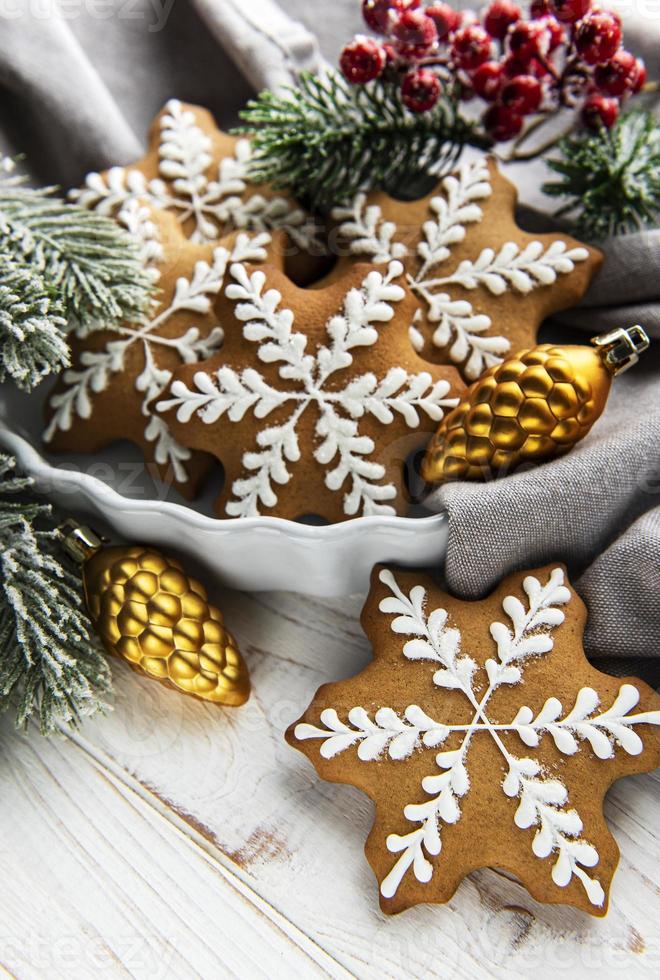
(313, 357)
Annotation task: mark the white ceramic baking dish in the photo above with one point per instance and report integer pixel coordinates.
(255, 553)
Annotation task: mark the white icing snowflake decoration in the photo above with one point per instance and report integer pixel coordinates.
(74, 399)
(230, 394)
(455, 320)
(216, 205)
(543, 802)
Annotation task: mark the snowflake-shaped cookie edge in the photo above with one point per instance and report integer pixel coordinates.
(385, 733)
(456, 323)
(230, 393)
(214, 196)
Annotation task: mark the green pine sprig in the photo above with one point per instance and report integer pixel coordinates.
(611, 178)
(66, 263)
(50, 666)
(32, 342)
(327, 139)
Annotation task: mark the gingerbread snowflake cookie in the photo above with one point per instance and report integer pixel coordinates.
(483, 285)
(484, 738)
(117, 374)
(316, 399)
(200, 174)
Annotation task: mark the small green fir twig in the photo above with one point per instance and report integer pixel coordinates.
(611, 179)
(50, 667)
(32, 342)
(60, 265)
(327, 139)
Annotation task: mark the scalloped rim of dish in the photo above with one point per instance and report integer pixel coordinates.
(92, 488)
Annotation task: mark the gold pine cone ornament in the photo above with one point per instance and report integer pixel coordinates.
(530, 408)
(149, 612)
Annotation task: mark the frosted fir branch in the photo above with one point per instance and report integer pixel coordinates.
(50, 666)
(609, 179)
(543, 805)
(90, 262)
(32, 341)
(396, 735)
(532, 626)
(522, 271)
(327, 140)
(603, 731)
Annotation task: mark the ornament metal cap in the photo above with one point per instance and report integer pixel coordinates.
(620, 348)
(79, 541)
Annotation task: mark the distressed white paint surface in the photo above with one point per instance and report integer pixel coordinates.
(172, 839)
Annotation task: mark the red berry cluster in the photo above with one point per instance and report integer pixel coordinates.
(566, 53)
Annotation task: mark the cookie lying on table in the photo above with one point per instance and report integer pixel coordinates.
(485, 739)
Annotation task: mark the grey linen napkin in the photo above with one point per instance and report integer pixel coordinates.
(80, 83)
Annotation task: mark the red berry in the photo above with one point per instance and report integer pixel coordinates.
(445, 18)
(415, 33)
(390, 53)
(420, 89)
(499, 17)
(597, 109)
(514, 67)
(539, 8)
(487, 80)
(642, 76)
(617, 76)
(502, 123)
(379, 14)
(470, 47)
(570, 11)
(362, 60)
(522, 95)
(556, 33)
(527, 39)
(597, 37)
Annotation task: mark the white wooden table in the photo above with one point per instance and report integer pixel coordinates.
(173, 839)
